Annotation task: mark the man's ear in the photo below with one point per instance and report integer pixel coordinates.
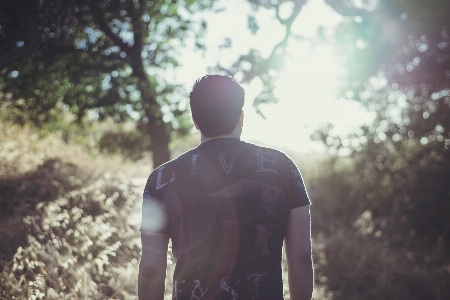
(241, 120)
(195, 124)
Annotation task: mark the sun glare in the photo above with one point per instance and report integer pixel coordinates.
(308, 86)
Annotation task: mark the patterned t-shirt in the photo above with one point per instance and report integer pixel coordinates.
(224, 205)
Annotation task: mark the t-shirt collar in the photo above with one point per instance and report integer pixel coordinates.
(218, 142)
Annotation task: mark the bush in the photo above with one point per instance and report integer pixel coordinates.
(68, 221)
(360, 254)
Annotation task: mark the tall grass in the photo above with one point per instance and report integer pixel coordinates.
(69, 220)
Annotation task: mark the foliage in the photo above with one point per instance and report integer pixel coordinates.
(83, 56)
(103, 57)
(68, 221)
(131, 144)
(252, 65)
(406, 42)
(391, 204)
(406, 149)
(366, 244)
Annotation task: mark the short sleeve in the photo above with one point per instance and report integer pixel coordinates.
(297, 191)
(154, 215)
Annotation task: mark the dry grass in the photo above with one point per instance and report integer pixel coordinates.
(69, 220)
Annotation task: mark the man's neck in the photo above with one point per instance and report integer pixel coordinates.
(236, 133)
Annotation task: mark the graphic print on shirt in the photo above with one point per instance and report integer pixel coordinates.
(198, 291)
(159, 183)
(256, 278)
(264, 158)
(226, 287)
(193, 164)
(172, 204)
(296, 174)
(266, 211)
(228, 166)
(175, 289)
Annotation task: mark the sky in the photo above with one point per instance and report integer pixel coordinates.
(308, 87)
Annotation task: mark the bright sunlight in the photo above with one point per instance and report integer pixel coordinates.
(308, 87)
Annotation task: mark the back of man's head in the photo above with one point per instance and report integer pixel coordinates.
(216, 104)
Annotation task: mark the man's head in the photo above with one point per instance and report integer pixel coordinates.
(216, 104)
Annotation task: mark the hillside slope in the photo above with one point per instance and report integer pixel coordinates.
(68, 220)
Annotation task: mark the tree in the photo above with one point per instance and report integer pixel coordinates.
(99, 57)
(252, 65)
(406, 81)
(398, 63)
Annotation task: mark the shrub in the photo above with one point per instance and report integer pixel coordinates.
(68, 220)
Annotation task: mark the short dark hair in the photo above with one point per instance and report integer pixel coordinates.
(216, 104)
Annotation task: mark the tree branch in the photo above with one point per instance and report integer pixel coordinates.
(288, 23)
(103, 26)
(298, 4)
(345, 10)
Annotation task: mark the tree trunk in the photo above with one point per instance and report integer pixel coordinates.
(158, 131)
(159, 145)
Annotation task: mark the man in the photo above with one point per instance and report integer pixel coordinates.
(227, 206)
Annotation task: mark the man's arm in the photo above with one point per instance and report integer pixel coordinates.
(152, 268)
(298, 253)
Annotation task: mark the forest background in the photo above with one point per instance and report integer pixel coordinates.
(86, 113)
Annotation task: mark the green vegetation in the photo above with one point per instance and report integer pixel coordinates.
(104, 58)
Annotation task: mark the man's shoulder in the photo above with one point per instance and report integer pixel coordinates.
(177, 162)
(267, 150)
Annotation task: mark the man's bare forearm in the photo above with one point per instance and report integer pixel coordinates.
(301, 278)
(298, 254)
(151, 283)
(153, 265)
